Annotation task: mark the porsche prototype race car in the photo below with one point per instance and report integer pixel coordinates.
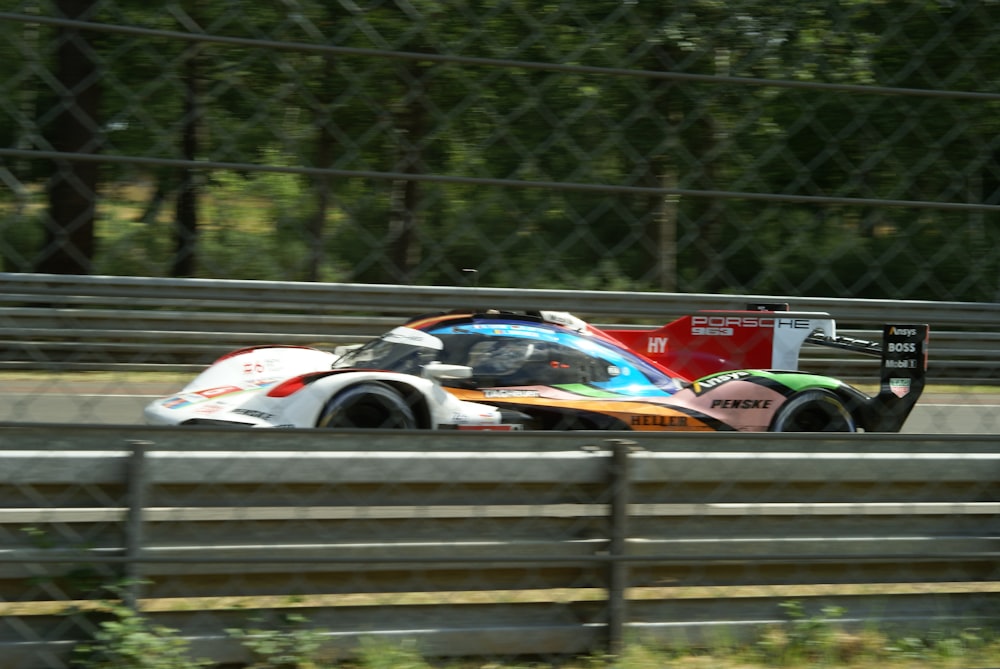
(711, 371)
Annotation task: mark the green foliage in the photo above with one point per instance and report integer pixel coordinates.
(131, 248)
(378, 654)
(379, 116)
(292, 646)
(821, 641)
(81, 580)
(130, 641)
(21, 236)
(811, 639)
(127, 640)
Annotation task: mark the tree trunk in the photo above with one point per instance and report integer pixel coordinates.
(316, 225)
(666, 229)
(186, 218)
(72, 189)
(402, 248)
(154, 205)
(989, 186)
(325, 144)
(706, 213)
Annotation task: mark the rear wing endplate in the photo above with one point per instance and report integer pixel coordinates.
(903, 372)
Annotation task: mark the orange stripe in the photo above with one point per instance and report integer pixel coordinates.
(639, 416)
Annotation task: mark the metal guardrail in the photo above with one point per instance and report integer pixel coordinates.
(143, 323)
(491, 544)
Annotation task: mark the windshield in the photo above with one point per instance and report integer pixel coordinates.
(402, 350)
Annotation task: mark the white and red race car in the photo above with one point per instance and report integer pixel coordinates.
(710, 371)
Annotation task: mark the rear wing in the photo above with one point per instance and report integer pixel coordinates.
(716, 341)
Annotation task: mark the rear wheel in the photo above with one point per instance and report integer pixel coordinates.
(814, 410)
(368, 405)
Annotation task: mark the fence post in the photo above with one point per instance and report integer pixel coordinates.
(136, 484)
(619, 485)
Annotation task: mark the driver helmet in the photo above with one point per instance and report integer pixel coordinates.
(504, 356)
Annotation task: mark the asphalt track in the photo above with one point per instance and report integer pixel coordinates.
(121, 403)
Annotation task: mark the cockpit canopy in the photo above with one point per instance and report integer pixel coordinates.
(504, 354)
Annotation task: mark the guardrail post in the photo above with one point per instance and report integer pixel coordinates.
(619, 485)
(136, 485)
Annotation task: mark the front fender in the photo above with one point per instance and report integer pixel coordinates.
(438, 407)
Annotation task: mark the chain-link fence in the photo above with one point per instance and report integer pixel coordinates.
(845, 149)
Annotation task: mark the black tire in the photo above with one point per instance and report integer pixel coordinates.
(368, 405)
(813, 410)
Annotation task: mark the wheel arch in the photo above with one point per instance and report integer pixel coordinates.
(856, 403)
(820, 400)
(415, 399)
(408, 393)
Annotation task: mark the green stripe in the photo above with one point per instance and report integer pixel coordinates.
(797, 381)
(583, 389)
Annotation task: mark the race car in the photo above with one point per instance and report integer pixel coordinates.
(546, 370)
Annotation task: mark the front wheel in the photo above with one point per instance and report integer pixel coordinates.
(813, 410)
(368, 405)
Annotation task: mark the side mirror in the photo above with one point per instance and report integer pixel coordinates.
(439, 370)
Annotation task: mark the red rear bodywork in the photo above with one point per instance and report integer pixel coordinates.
(716, 341)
